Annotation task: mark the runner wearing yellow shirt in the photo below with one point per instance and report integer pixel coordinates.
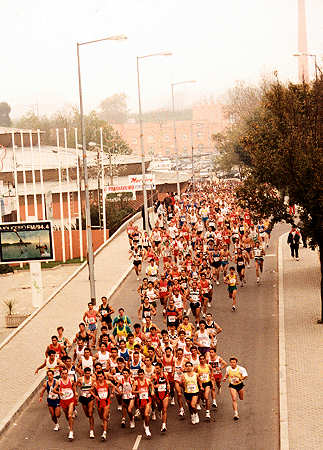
(204, 378)
(232, 282)
(236, 374)
(189, 380)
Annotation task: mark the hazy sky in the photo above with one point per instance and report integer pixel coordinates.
(215, 42)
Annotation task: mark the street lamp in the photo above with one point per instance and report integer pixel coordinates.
(143, 168)
(85, 172)
(174, 125)
(315, 60)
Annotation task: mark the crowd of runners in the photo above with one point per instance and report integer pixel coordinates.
(169, 356)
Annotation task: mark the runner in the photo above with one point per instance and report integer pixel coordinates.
(231, 281)
(53, 400)
(217, 364)
(189, 381)
(204, 378)
(86, 398)
(144, 389)
(259, 254)
(68, 399)
(125, 388)
(162, 390)
(103, 391)
(236, 375)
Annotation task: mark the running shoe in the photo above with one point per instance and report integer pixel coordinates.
(193, 420)
(236, 416)
(147, 432)
(123, 422)
(70, 436)
(104, 436)
(91, 434)
(163, 428)
(181, 413)
(132, 424)
(119, 408)
(153, 416)
(217, 283)
(209, 305)
(172, 402)
(233, 308)
(197, 419)
(208, 416)
(56, 427)
(214, 404)
(198, 407)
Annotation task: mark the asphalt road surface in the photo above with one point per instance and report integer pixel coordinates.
(251, 333)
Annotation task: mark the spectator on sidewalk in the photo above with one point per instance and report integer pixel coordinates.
(293, 241)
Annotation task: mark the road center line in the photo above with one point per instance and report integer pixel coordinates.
(137, 442)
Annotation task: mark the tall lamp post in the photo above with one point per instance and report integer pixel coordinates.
(90, 255)
(174, 126)
(142, 146)
(315, 60)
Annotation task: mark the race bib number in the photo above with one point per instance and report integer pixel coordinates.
(66, 393)
(171, 319)
(161, 387)
(103, 394)
(143, 395)
(204, 377)
(191, 388)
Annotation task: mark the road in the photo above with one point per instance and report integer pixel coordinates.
(251, 333)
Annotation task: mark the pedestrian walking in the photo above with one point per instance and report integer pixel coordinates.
(293, 241)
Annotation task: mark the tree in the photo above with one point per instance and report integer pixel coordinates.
(284, 142)
(5, 110)
(114, 108)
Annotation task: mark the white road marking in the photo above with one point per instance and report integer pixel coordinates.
(137, 442)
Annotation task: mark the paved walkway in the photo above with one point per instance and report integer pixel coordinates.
(304, 349)
(16, 372)
(16, 286)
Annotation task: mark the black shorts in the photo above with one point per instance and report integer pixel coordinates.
(189, 396)
(137, 263)
(239, 268)
(106, 319)
(237, 387)
(157, 243)
(194, 306)
(85, 400)
(216, 264)
(208, 383)
(126, 401)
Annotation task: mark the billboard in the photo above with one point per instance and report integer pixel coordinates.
(26, 241)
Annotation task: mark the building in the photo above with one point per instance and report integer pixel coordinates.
(207, 119)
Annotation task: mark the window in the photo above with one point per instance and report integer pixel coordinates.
(134, 141)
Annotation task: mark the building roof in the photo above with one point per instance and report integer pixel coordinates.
(9, 130)
(49, 157)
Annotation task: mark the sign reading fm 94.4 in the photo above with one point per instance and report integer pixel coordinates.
(26, 241)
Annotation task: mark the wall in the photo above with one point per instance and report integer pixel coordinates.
(97, 237)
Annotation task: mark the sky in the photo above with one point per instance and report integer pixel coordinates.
(213, 42)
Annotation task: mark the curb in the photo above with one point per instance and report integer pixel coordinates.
(283, 405)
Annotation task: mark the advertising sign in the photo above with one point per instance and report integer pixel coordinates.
(137, 180)
(119, 188)
(26, 241)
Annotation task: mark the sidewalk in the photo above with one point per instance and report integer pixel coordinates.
(304, 349)
(21, 356)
